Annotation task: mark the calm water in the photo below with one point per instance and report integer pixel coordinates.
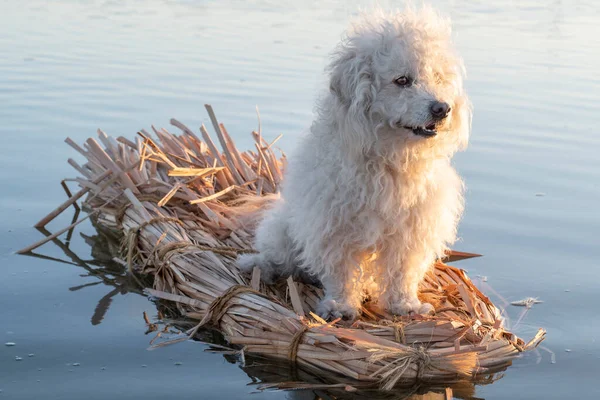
(532, 170)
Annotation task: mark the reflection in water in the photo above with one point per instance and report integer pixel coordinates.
(103, 267)
(265, 373)
(282, 375)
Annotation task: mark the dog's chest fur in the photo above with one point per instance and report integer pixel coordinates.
(394, 195)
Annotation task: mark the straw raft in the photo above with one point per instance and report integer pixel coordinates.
(175, 199)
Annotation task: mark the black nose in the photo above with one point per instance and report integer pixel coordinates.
(439, 109)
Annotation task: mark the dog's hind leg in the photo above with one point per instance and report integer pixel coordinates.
(275, 248)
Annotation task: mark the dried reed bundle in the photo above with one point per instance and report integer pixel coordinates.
(175, 199)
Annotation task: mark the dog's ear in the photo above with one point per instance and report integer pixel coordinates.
(351, 79)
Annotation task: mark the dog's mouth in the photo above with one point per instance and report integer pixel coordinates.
(424, 131)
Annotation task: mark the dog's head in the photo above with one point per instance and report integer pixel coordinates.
(399, 83)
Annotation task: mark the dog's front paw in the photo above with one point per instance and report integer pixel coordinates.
(406, 307)
(330, 308)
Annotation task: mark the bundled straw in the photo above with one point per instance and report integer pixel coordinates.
(175, 199)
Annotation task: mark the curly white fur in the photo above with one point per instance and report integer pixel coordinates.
(366, 203)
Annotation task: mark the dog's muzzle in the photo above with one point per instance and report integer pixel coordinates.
(439, 111)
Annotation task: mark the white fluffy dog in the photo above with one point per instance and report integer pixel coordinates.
(370, 199)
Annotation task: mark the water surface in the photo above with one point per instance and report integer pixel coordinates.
(70, 67)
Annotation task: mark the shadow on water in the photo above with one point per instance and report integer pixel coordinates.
(265, 373)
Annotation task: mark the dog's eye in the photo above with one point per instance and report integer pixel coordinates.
(402, 81)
